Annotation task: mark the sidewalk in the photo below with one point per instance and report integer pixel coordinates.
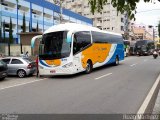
(156, 109)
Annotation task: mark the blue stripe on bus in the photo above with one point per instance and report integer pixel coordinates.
(117, 52)
(44, 63)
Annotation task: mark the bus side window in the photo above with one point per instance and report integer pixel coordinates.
(81, 41)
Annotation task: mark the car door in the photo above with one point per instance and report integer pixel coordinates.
(7, 61)
(15, 64)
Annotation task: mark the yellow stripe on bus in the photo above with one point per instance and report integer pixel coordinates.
(56, 62)
(97, 53)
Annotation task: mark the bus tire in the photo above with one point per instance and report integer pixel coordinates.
(116, 61)
(89, 66)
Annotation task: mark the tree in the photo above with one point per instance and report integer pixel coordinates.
(37, 29)
(159, 31)
(30, 27)
(122, 6)
(24, 23)
(4, 33)
(10, 32)
(0, 32)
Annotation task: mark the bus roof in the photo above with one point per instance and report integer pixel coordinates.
(75, 27)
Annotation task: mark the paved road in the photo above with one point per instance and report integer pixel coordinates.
(109, 89)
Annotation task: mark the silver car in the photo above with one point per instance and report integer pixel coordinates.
(20, 66)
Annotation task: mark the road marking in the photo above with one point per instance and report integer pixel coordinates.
(22, 84)
(103, 76)
(150, 95)
(133, 64)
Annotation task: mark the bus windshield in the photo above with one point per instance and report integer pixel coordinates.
(56, 45)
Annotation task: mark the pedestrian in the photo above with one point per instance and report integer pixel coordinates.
(26, 55)
(37, 65)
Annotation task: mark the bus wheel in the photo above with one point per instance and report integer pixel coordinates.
(117, 61)
(89, 67)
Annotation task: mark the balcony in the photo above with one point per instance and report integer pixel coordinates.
(79, 9)
(9, 9)
(79, 2)
(11, 1)
(38, 17)
(99, 24)
(50, 20)
(98, 15)
(27, 14)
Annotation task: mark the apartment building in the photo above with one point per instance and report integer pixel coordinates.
(106, 20)
(42, 12)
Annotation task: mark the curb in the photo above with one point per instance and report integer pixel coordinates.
(149, 102)
(156, 109)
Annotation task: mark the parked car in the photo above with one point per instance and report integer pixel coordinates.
(20, 66)
(3, 70)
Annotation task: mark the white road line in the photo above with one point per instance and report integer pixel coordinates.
(133, 64)
(103, 76)
(22, 84)
(147, 100)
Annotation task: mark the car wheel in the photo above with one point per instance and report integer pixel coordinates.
(89, 67)
(2, 78)
(21, 73)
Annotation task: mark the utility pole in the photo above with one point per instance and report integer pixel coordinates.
(59, 2)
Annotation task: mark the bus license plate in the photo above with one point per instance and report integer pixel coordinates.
(52, 71)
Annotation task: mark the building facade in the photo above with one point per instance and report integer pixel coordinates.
(106, 20)
(142, 31)
(40, 12)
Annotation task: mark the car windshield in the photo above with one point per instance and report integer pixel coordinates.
(55, 45)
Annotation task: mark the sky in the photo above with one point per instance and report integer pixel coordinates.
(148, 13)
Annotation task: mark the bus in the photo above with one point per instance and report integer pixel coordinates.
(144, 47)
(71, 48)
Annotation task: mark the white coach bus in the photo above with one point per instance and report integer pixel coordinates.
(72, 48)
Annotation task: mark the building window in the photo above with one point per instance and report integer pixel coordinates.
(122, 20)
(108, 19)
(122, 28)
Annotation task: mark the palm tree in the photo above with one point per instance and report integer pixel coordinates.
(24, 23)
(4, 33)
(10, 32)
(159, 31)
(37, 29)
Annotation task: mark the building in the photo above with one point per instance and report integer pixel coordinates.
(42, 12)
(142, 31)
(106, 20)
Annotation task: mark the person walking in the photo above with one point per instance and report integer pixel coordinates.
(37, 66)
(26, 55)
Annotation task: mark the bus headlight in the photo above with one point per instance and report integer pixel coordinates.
(70, 64)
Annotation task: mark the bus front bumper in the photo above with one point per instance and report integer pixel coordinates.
(57, 71)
